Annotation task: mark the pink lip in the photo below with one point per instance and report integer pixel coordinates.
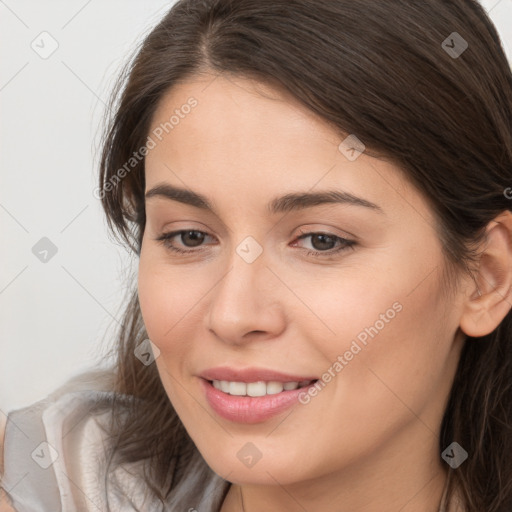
(246, 409)
(251, 375)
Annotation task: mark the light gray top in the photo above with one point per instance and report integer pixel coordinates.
(54, 460)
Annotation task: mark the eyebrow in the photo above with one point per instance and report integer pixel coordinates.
(288, 202)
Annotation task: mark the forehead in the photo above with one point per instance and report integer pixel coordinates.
(239, 137)
(238, 111)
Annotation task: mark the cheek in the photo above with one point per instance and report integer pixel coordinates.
(393, 352)
(387, 326)
(169, 298)
(167, 309)
(155, 299)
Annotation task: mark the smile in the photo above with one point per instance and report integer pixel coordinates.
(255, 389)
(268, 399)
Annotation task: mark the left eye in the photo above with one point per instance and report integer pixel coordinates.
(191, 238)
(320, 240)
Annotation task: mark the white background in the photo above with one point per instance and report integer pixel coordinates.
(58, 318)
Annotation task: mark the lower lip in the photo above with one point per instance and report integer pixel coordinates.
(247, 409)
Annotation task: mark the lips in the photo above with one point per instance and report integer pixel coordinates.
(247, 409)
(252, 374)
(240, 408)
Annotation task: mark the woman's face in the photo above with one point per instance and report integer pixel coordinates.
(347, 291)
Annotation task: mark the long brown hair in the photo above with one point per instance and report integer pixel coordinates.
(425, 84)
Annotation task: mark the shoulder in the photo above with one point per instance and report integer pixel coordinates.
(58, 435)
(5, 506)
(65, 438)
(3, 420)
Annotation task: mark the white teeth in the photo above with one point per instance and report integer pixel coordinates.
(259, 388)
(256, 389)
(237, 388)
(274, 387)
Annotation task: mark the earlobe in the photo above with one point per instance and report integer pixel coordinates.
(490, 298)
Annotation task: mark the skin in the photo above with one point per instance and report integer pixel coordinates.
(369, 440)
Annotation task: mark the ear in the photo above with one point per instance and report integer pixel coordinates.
(489, 299)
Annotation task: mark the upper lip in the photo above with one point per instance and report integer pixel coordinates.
(252, 374)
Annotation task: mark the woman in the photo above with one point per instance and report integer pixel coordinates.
(318, 194)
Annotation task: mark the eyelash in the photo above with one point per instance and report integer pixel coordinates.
(345, 243)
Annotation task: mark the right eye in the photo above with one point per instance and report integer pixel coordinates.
(194, 236)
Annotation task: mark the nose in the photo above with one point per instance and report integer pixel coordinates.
(246, 304)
